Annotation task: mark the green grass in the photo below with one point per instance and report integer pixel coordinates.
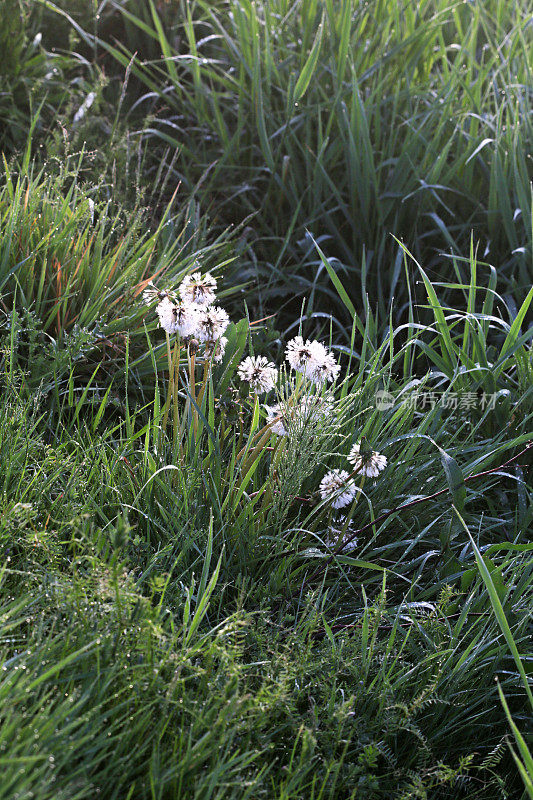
(331, 671)
(178, 616)
(349, 122)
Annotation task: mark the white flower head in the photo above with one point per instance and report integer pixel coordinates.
(167, 316)
(314, 408)
(212, 323)
(299, 353)
(322, 367)
(309, 411)
(216, 350)
(177, 317)
(187, 318)
(260, 373)
(198, 289)
(369, 464)
(151, 294)
(312, 359)
(347, 544)
(336, 487)
(276, 419)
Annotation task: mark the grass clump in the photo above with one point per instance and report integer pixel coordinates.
(352, 123)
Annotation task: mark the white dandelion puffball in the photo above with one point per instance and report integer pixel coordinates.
(260, 373)
(370, 465)
(335, 486)
(212, 323)
(198, 289)
(299, 353)
(216, 350)
(166, 311)
(150, 294)
(177, 318)
(322, 367)
(276, 419)
(187, 317)
(312, 359)
(308, 411)
(346, 545)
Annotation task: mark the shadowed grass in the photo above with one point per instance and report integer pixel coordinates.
(352, 122)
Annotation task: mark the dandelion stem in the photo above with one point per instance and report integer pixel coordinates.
(207, 364)
(169, 355)
(192, 392)
(166, 407)
(176, 443)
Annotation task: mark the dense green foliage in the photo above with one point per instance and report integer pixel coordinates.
(179, 618)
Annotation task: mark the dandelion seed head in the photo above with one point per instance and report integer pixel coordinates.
(152, 293)
(299, 353)
(198, 289)
(308, 411)
(346, 545)
(212, 323)
(216, 350)
(323, 369)
(166, 311)
(177, 317)
(260, 373)
(336, 487)
(315, 408)
(312, 359)
(276, 419)
(370, 464)
(187, 318)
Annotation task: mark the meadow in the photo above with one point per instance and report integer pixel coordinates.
(266, 405)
